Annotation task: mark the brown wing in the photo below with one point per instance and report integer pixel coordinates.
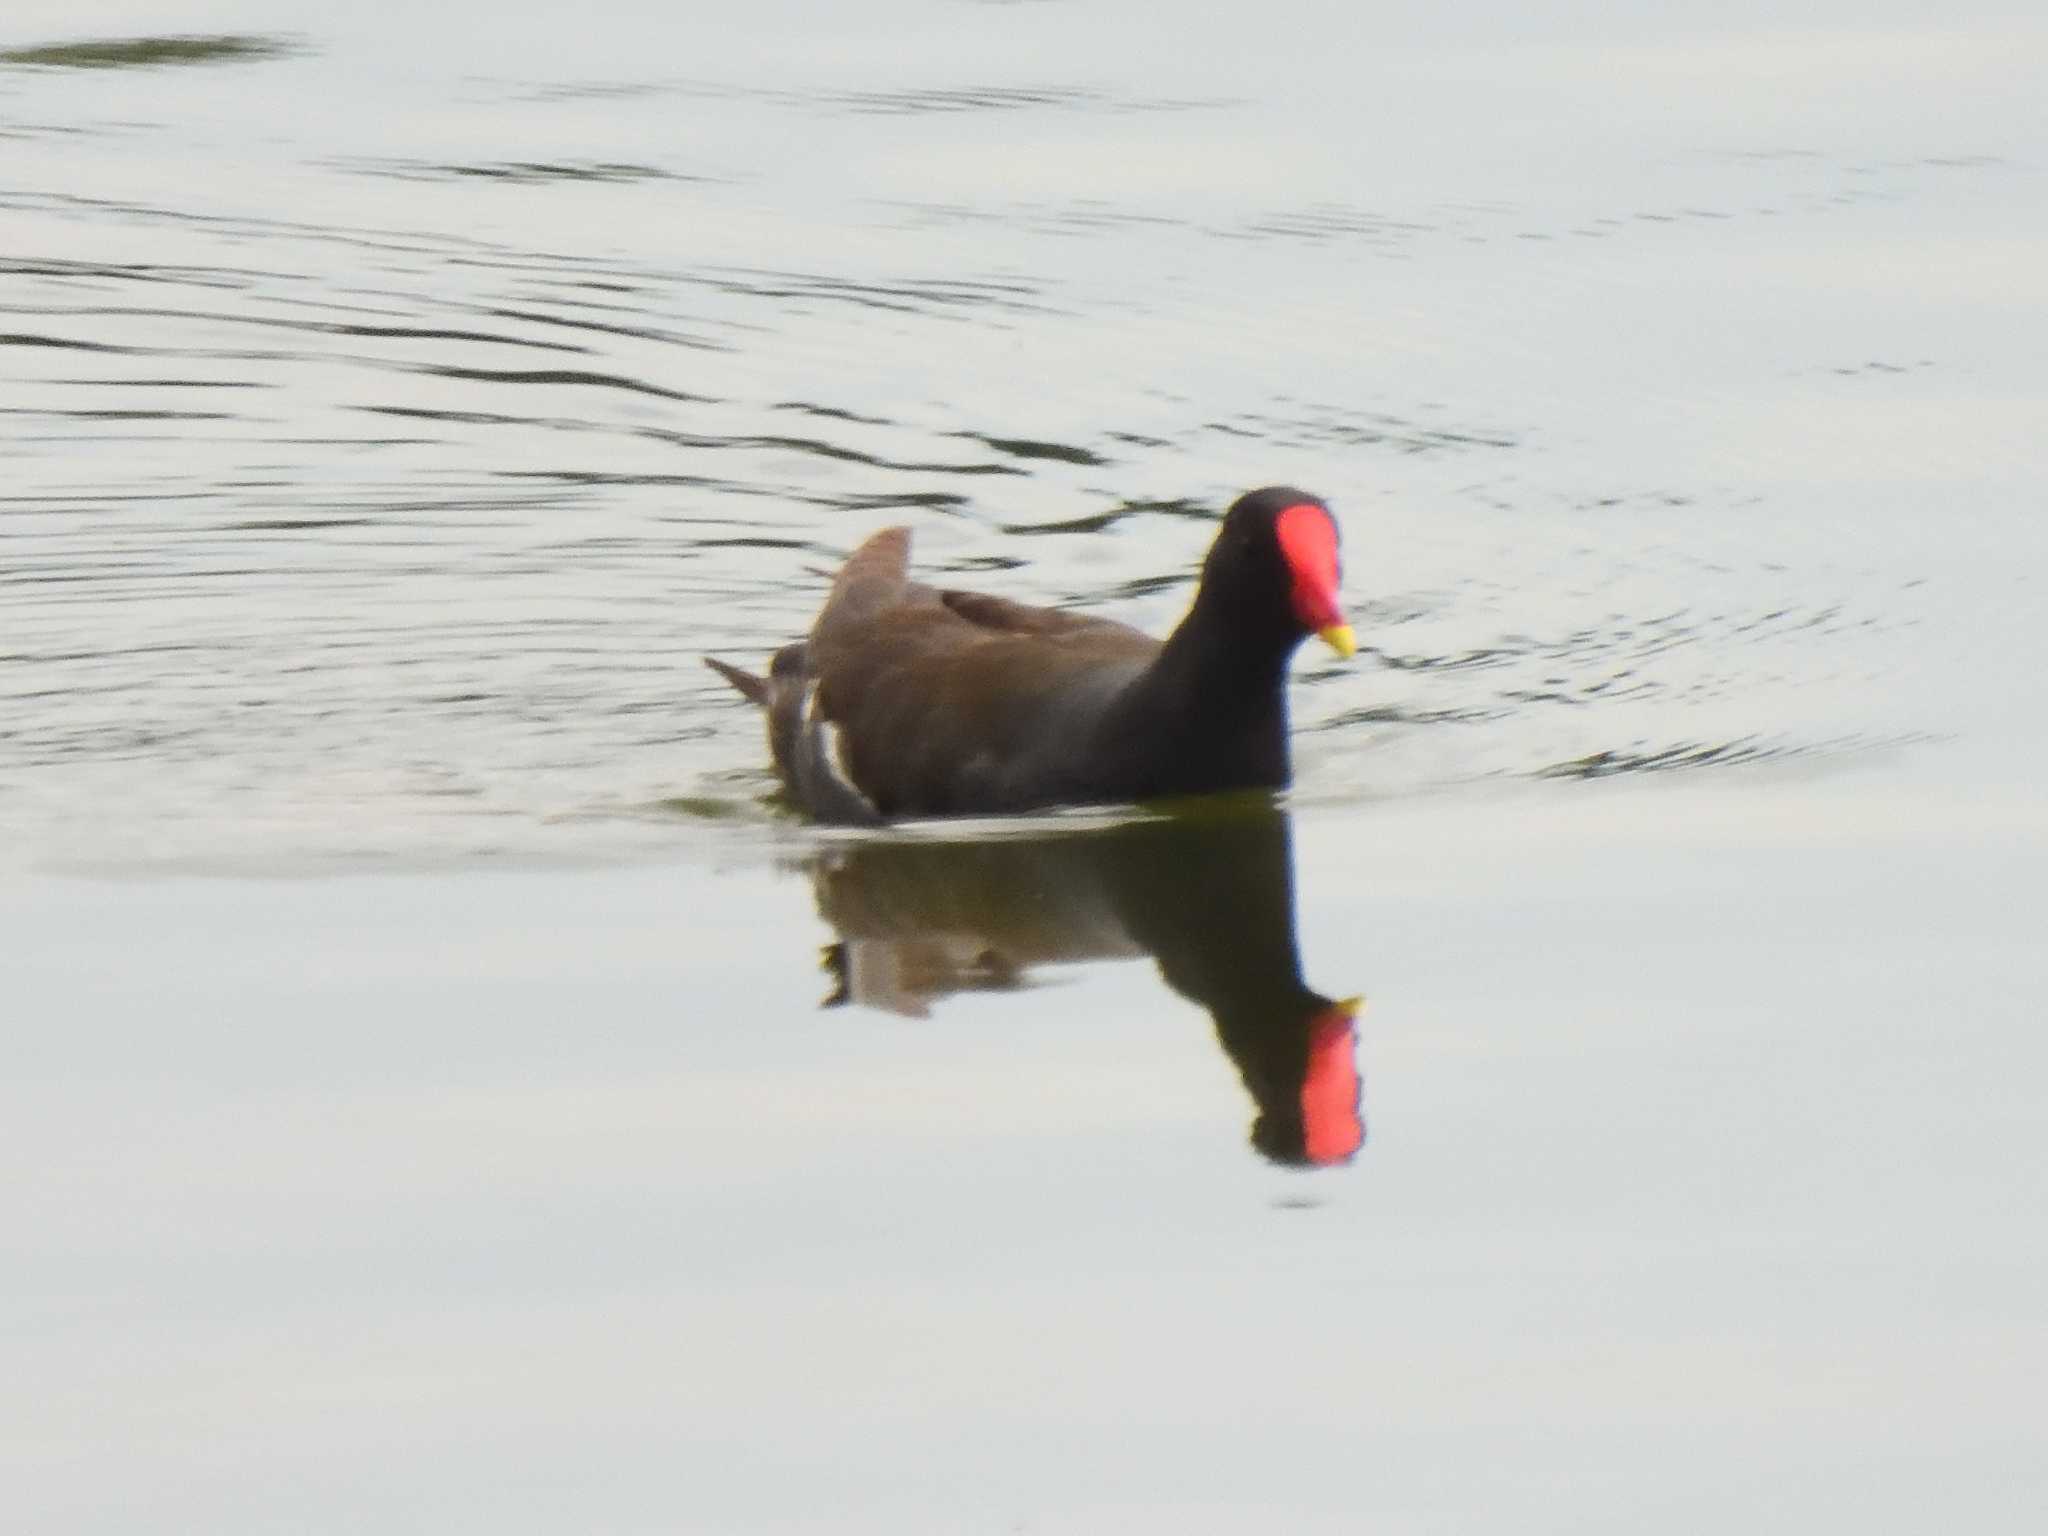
(1007, 617)
(874, 580)
(947, 702)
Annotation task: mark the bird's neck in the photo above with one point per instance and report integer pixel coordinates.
(1215, 700)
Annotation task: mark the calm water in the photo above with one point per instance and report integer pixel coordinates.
(392, 412)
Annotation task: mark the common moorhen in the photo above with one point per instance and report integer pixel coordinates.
(911, 700)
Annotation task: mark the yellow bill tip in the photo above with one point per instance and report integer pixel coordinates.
(1338, 637)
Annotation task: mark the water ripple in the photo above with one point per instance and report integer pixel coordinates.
(384, 467)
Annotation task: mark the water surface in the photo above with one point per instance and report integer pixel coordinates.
(392, 423)
(451, 1096)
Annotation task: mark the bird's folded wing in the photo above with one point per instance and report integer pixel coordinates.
(932, 708)
(1002, 615)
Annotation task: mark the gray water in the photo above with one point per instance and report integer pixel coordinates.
(432, 1121)
(393, 420)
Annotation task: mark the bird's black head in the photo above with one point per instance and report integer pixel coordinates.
(1275, 564)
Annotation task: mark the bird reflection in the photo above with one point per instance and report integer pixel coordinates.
(1208, 895)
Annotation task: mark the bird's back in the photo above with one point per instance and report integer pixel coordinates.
(939, 701)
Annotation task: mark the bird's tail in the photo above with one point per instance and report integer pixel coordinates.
(755, 688)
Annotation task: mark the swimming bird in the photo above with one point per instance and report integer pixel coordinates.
(908, 700)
